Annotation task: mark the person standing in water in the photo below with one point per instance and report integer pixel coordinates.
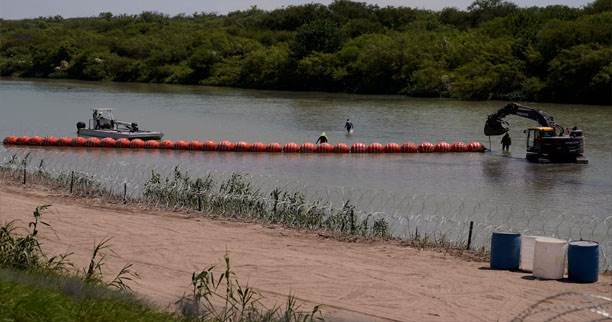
(506, 141)
(348, 126)
(322, 138)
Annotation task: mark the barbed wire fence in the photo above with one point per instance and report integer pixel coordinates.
(440, 218)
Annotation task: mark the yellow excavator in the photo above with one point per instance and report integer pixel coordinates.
(546, 143)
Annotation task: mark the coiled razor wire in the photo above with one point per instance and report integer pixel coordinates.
(432, 214)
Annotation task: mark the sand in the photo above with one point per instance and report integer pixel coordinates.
(355, 281)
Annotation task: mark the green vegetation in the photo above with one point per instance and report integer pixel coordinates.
(493, 50)
(237, 197)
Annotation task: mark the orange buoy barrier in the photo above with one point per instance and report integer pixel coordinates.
(122, 143)
(196, 145)
(22, 140)
(108, 142)
(459, 147)
(181, 145)
(210, 146)
(342, 148)
(409, 147)
(393, 148)
(376, 148)
(243, 147)
(166, 144)
(92, 142)
(358, 148)
(226, 146)
(152, 144)
(426, 147)
(308, 147)
(325, 148)
(137, 144)
(35, 140)
(274, 148)
(258, 147)
(10, 140)
(50, 141)
(442, 147)
(291, 148)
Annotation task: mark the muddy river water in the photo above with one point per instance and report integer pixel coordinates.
(431, 192)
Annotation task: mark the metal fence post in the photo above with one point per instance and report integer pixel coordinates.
(469, 243)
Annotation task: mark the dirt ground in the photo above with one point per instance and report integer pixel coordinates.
(361, 281)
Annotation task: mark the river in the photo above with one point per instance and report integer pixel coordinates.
(430, 192)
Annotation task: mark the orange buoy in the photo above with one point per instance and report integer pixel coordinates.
(196, 145)
(181, 145)
(137, 144)
(308, 147)
(325, 148)
(10, 140)
(93, 142)
(358, 148)
(393, 148)
(35, 140)
(426, 147)
(210, 146)
(123, 143)
(22, 140)
(79, 141)
(442, 147)
(342, 148)
(476, 147)
(226, 146)
(459, 147)
(243, 146)
(291, 148)
(258, 147)
(376, 148)
(166, 144)
(151, 144)
(274, 148)
(50, 141)
(108, 142)
(65, 141)
(409, 147)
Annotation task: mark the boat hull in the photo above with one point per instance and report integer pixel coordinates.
(143, 135)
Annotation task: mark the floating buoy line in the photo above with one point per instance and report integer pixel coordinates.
(228, 146)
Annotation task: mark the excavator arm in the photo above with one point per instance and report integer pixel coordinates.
(496, 125)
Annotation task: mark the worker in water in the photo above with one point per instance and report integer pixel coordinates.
(506, 141)
(348, 126)
(322, 138)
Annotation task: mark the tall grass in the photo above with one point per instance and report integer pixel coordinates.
(237, 197)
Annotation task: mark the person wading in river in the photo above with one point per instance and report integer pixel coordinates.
(506, 141)
(322, 138)
(348, 126)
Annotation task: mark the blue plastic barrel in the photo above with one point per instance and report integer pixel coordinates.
(583, 261)
(505, 250)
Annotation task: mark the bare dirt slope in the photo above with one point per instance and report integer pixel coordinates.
(356, 281)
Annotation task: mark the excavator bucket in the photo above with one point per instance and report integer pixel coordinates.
(495, 126)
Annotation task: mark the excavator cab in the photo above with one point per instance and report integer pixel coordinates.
(544, 143)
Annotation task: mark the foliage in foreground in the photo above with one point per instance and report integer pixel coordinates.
(237, 197)
(35, 297)
(492, 50)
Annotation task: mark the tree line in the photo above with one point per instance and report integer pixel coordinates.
(492, 50)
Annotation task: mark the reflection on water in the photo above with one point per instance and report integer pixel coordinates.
(439, 190)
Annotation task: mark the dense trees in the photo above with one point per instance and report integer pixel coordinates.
(493, 50)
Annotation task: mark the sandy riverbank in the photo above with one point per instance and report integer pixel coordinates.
(355, 281)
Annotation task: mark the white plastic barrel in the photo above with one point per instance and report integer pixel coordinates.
(549, 258)
(527, 250)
